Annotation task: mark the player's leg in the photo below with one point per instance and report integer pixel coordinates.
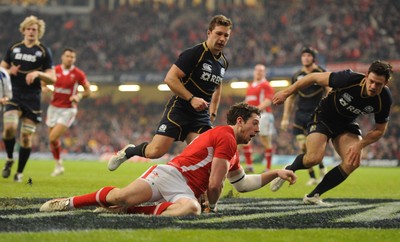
(183, 207)
(10, 122)
(247, 152)
(301, 145)
(28, 128)
(267, 130)
(315, 146)
(159, 146)
(135, 193)
(266, 141)
(55, 134)
(163, 184)
(339, 173)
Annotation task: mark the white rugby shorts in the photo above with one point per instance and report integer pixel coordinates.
(167, 184)
(65, 116)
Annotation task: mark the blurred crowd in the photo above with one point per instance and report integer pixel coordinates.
(148, 37)
(144, 38)
(103, 127)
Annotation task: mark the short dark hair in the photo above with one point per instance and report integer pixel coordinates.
(381, 68)
(310, 50)
(219, 20)
(243, 110)
(69, 49)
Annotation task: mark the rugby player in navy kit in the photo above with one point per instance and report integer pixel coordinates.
(28, 62)
(307, 100)
(196, 79)
(353, 94)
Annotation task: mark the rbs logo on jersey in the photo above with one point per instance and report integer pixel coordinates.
(345, 101)
(25, 57)
(209, 77)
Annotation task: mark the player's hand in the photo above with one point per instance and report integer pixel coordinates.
(287, 175)
(75, 98)
(279, 98)
(354, 154)
(3, 100)
(31, 77)
(199, 104)
(14, 70)
(284, 125)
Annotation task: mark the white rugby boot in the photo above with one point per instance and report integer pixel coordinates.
(311, 182)
(117, 159)
(58, 170)
(58, 204)
(315, 200)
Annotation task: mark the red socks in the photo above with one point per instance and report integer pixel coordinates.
(247, 150)
(92, 199)
(268, 158)
(154, 209)
(55, 148)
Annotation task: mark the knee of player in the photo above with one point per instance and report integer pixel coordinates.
(117, 197)
(349, 167)
(193, 208)
(312, 159)
(154, 152)
(9, 132)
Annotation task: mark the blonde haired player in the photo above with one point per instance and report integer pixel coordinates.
(28, 62)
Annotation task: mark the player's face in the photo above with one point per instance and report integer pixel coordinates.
(307, 59)
(249, 129)
(31, 33)
(218, 38)
(375, 84)
(68, 59)
(259, 72)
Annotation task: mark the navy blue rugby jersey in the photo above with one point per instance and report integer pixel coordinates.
(35, 58)
(309, 97)
(348, 100)
(204, 72)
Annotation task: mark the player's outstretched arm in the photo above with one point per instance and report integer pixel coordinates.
(246, 183)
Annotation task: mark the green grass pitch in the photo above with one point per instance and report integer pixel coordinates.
(366, 208)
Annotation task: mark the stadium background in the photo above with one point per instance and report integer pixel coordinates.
(135, 42)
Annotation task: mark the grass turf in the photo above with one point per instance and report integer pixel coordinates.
(84, 177)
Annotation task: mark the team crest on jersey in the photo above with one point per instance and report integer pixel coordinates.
(38, 53)
(368, 109)
(162, 128)
(347, 97)
(207, 67)
(313, 128)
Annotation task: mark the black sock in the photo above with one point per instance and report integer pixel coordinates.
(312, 173)
(9, 144)
(24, 154)
(333, 178)
(321, 165)
(297, 164)
(137, 150)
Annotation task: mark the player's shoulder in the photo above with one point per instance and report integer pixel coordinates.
(200, 47)
(222, 130)
(17, 44)
(79, 70)
(319, 69)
